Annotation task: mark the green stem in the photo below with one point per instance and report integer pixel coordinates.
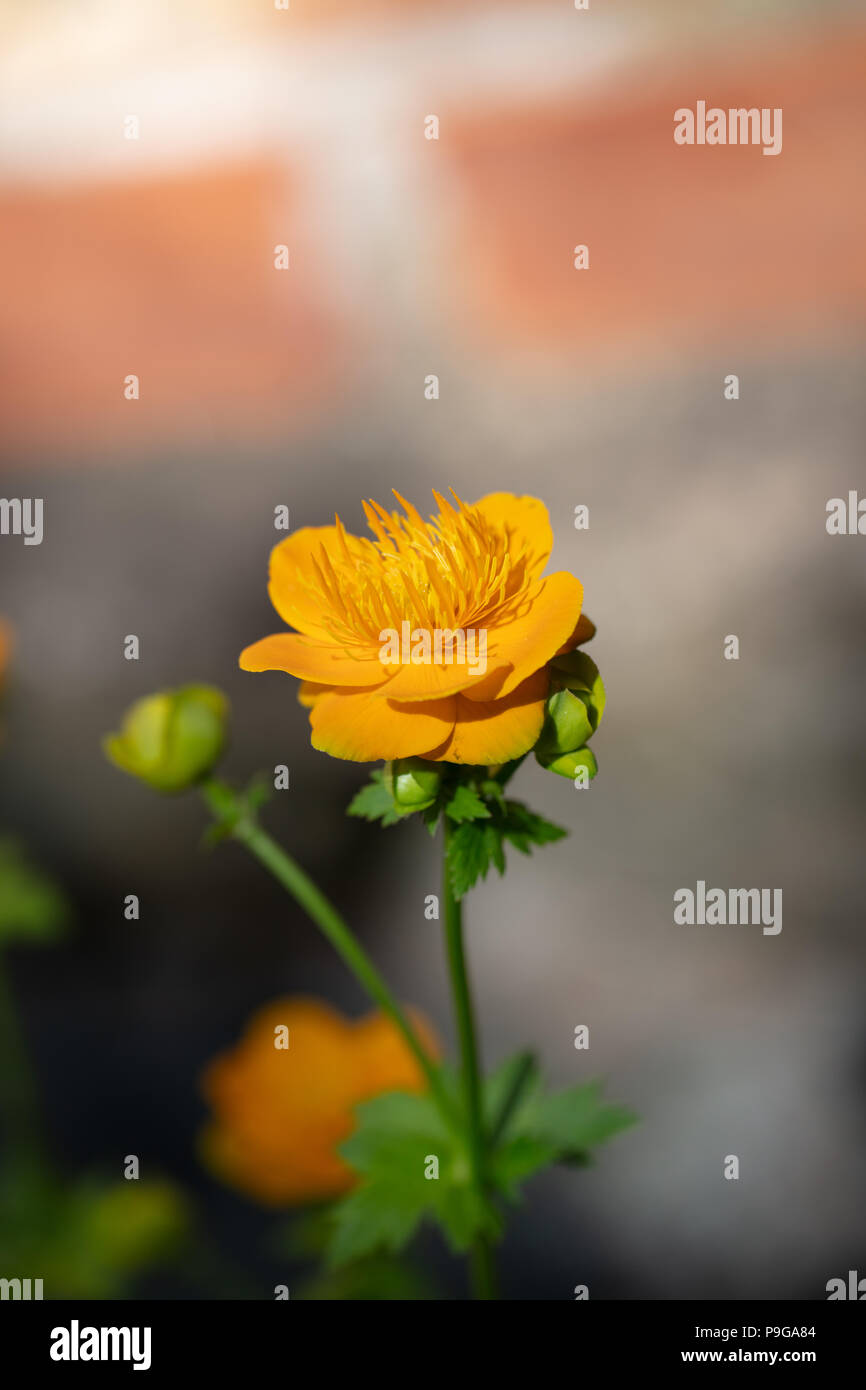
(484, 1275)
(230, 811)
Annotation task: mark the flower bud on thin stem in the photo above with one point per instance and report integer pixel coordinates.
(173, 739)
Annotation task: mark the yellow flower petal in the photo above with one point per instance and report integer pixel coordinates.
(498, 730)
(293, 586)
(547, 618)
(364, 727)
(435, 681)
(526, 521)
(584, 631)
(312, 661)
(309, 692)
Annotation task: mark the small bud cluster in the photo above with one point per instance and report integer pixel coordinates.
(574, 710)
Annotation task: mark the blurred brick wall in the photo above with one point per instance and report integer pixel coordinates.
(687, 243)
(171, 277)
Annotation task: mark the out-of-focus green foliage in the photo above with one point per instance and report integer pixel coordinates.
(87, 1239)
(32, 907)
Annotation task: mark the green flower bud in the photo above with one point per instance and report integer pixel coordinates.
(566, 724)
(578, 673)
(173, 739)
(568, 764)
(414, 783)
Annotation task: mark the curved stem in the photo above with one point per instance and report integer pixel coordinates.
(484, 1277)
(230, 811)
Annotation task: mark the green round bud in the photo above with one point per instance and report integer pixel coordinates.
(414, 783)
(569, 764)
(566, 724)
(173, 739)
(577, 672)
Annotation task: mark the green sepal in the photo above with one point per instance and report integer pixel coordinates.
(579, 674)
(568, 764)
(566, 725)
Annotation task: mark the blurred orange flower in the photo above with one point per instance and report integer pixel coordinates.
(470, 574)
(5, 647)
(281, 1111)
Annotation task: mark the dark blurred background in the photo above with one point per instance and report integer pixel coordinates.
(306, 387)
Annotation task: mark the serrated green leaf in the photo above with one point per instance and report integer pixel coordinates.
(576, 1119)
(397, 1136)
(492, 790)
(507, 1094)
(376, 1216)
(493, 846)
(506, 1090)
(469, 849)
(386, 1123)
(374, 801)
(465, 805)
(517, 1159)
(473, 846)
(530, 1129)
(523, 828)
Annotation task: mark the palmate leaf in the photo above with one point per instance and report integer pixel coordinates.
(516, 1160)
(397, 1136)
(475, 845)
(576, 1119)
(464, 804)
(523, 828)
(541, 1127)
(470, 850)
(506, 1090)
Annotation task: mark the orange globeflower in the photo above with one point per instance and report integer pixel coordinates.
(431, 640)
(281, 1111)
